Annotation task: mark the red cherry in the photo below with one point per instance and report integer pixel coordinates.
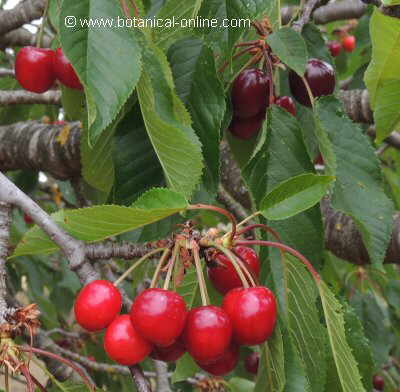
(320, 77)
(64, 71)
(169, 354)
(207, 333)
(335, 48)
(97, 305)
(124, 344)
(223, 365)
(246, 128)
(250, 93)
(58, 122)
(253, 314)
(159, 315)
(34, 69)
(91, 358)
(224, 276)
(349, 43)
(251, 362)
(28, 220)
(319, 160)
(286, 103)
(378, 382)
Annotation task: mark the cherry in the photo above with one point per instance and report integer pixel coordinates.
(28, 220)
(97, 305)
(34, 69)
(224, 276)
(64, 71)
(320, 77)
(169, 354)
(286, 103)
(223, 365)
(207, 333)
(378, 382)
(349, 43)
(124, 344)
(250, 93)
(335, 48)
(159, 315)
(252, 312)
(246, 128)
(251, 362)
(319, 160)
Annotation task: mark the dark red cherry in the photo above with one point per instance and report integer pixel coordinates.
(169, 354)
(124, 344)
(28, 220)
(224, 276)
(246, 128)
(250, 93)
(320, 77)
(159, 315)
(251, 362)
(64, 71)
(286, 103)
(252, 312)
(319, 160)
(349, 43)
(34, 69)
(378, 382)
(207, 333)
(223, 365)
(335, 48)
(97, 305)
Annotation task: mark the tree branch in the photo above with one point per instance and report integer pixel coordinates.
(22, 97)
(22, 37)
(162, 377)
(356, 105)
(23, 13)
(4, 72)
(340, 10)
(109, 250)
(309, 7)
(142, 384)
(5, 224)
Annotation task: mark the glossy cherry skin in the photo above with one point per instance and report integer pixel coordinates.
(124, 344)
(28, 220)
(378, 382)
(224, 276)
(159, 315)
(34, 69)
(335, 48)
(320, 77)
(349, 43)
(246, 128)
(250, 93)
(223, 365)
(251, 362)
(169, 354)
(207, 333)
(286, 103)
(64, 71)
(252, 312)
(97, 305)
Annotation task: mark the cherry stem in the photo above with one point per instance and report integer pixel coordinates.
(39, 39)
(238, 265)
(29, 383)
(6, 379)
(309, 92)
(249, 218)
(135, 265)
(241, 53)
(175, 255)
(199, 270)
(248, 43)
(287, 249)
(260, 226)
(38, 384)
(271, 73)
(159, 266)
(125, 8)
(230, 216)
(60, 359)
(135, 8)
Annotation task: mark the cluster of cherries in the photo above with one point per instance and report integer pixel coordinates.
(37, 69)
(348, 44)
(160, 325)
(251, 95)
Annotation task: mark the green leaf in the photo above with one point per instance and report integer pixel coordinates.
(185, 367)
(200, 88)
(271, 370)
(290, 47)
(101, 222)
(315, 42)
(382, 76)
(168, 124)
(237, 384)
(295, 195)
(189, 289)
(107, 60)
(358, 190)
(346, 365)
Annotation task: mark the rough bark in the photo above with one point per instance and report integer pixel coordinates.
(22, 97)
(5, 224)
(22, 37)
(356, 105)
